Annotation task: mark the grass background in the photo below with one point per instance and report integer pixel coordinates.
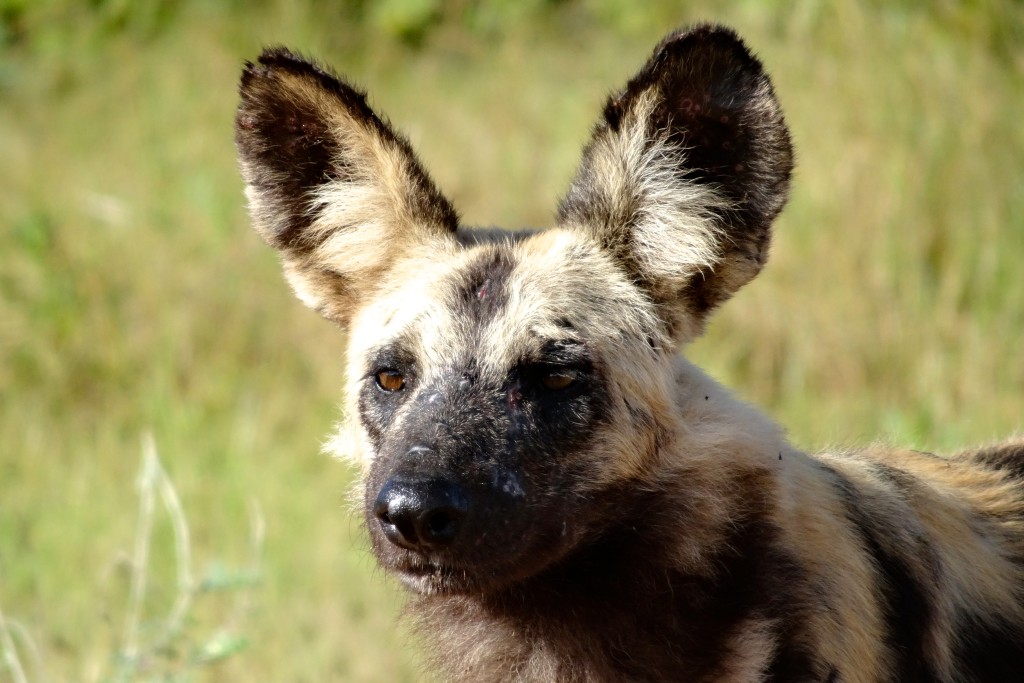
(135, 299)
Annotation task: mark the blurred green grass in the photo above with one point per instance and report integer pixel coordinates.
(134, 297)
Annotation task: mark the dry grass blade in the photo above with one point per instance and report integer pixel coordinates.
(11, 659)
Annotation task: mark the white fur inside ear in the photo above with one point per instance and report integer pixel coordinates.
(675, 233)
(298, 279)
(357, 218)
(358, 224)
(367, 220)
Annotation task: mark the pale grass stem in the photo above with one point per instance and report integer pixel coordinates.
(11, 659)
(153, 484)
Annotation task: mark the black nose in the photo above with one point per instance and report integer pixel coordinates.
(421, 514)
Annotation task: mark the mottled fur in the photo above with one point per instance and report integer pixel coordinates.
(569, 498)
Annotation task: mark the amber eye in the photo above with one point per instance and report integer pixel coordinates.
(555, 381)
(390, 380)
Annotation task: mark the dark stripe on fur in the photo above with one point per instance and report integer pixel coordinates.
(481, 290)
(989, 652)
(1006, 458)
(795, 662)
(906, 603)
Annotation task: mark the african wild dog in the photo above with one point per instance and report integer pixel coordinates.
(569, 498)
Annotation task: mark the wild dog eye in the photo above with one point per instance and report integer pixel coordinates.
(390, 380)
(557, 380)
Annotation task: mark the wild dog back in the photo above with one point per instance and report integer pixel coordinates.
(567, 497)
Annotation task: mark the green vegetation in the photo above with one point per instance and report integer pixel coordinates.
(135, 299)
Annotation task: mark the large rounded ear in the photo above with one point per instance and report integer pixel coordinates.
(330, 185)
(685, 172)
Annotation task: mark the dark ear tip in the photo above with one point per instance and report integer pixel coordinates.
(278, 58)
(270, 59)
(277, 61)
(704, 28)
(708, 37)
(704, 32)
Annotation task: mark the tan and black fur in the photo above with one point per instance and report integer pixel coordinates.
(567, 497)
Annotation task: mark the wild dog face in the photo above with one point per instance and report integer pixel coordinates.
(508, 394)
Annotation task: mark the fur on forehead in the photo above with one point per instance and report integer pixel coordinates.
(560, 284)
(566, 286)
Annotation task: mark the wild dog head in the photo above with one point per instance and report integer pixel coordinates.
(509, 394)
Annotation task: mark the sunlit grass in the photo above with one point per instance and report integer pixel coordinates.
(134, 296)
(175, 622)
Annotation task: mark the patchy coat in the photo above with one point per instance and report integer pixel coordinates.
(569, 499)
